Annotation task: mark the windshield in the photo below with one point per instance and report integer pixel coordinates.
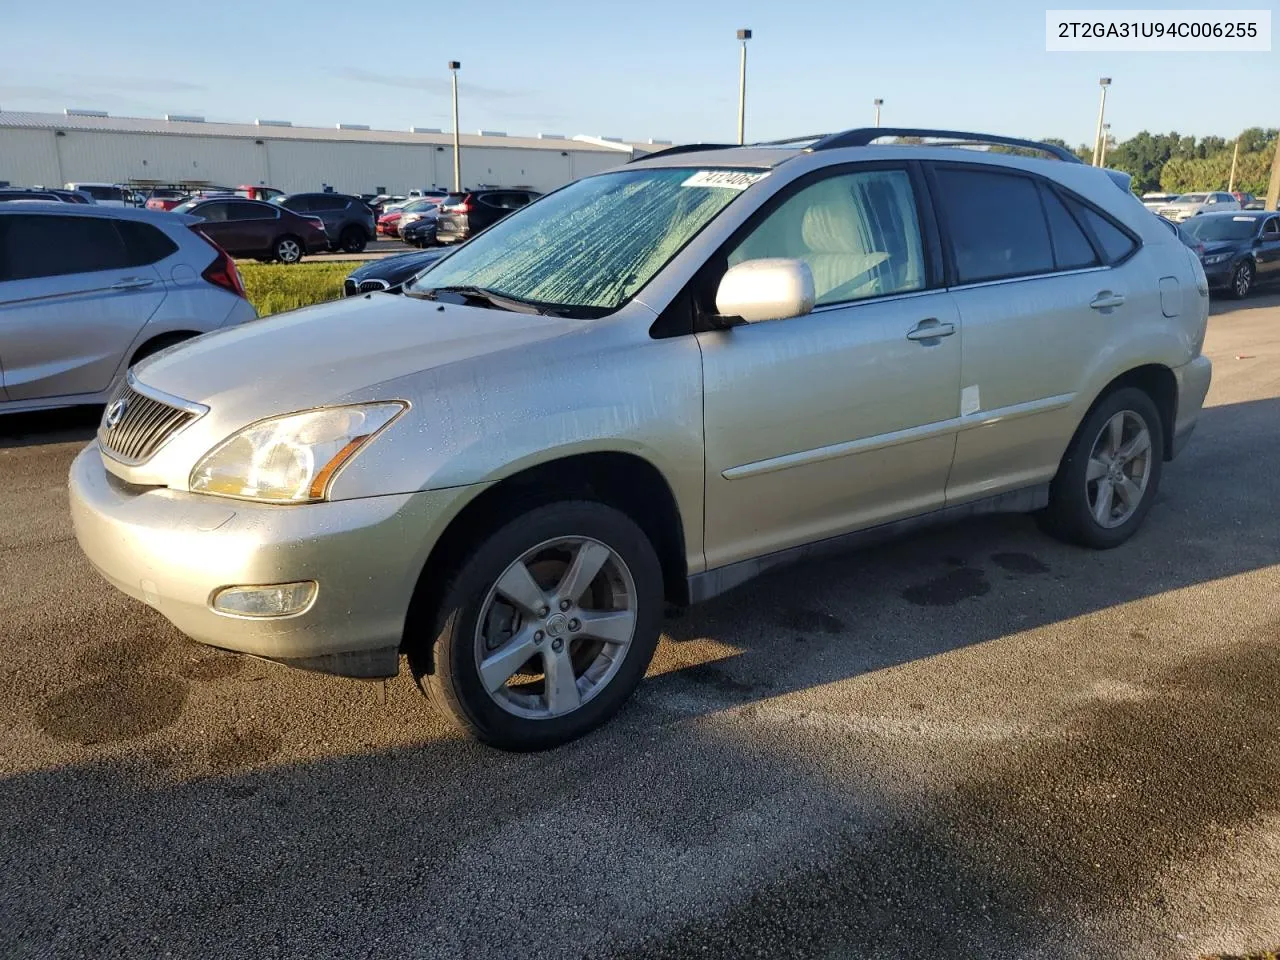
(595, 243)
(1193, 198)
(418, 205)
(1221, 228)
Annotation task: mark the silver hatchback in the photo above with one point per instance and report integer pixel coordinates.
(648, 387)
(86, 291)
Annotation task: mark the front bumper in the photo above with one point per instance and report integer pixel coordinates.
(175, 550)
(1193, 384)
(1219, 274)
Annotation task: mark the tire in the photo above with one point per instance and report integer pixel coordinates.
(1241, 280)
(353, 240)
(289, 249)
(1075, 513)
(155, 345)
(475, 621)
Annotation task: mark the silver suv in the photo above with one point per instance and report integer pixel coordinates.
(649, 386)
(87, 290)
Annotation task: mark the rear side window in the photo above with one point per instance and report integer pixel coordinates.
(103, 193)
(996, 224)
(328, 203)
(1272, 229)
(1071, 248)
(144, 243)
(213, 212)
(243, 210)
(51, 246)
(1115, 243)
(297, 204)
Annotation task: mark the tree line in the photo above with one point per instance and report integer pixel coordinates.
(1174, 163)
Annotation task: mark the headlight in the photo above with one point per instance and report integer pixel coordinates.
(1216, 258)
(291, 459)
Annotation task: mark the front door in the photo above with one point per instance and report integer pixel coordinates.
(841, 419)
(1268, 251)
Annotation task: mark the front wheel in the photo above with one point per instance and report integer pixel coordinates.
(288, 250)
(1110, 473)
(353, 240)
(1242, 280)
(546, 628)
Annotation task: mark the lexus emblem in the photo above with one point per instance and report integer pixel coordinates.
(115, 413)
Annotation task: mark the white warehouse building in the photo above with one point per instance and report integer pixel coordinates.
(51, 149)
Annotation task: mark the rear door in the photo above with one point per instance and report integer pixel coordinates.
(1268, 251)
(74, 292)
(254, 225)
(1041, 281)
(217, 228)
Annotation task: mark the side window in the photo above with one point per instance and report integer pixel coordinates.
(1115, 243)
(1071, 248)
(331, 202)
(213, 212)
(1272, 229)
(494, 200)
(249, 211)
(858, 232)
(144, 243)
(298, 204)
(996, 224)
(51, 246)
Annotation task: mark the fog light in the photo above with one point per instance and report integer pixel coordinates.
(273, 600)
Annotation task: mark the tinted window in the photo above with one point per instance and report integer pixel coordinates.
(1071, 248)
(857, 232)
(496, 200)
(27, 196)
(103, 193)
(50, 246)
(328, 202)
(215, 212)
(242, 210)
(144, 243)
(1115, 243)
(296, 204)
(1272, 228)
(996, 225)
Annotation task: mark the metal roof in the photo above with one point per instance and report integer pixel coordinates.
(254, 131)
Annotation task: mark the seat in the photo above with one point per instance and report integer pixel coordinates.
(836, 253)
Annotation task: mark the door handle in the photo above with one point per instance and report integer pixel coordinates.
(132, 283)
(930, 329)
(1106, 300)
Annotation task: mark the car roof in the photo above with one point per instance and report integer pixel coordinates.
(157, 217)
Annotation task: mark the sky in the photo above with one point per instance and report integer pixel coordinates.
(665, 69)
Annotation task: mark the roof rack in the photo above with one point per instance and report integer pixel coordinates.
(862, 136)
(683, 148)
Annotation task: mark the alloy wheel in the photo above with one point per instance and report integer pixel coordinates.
(1119, 469)
(289, 251)
(554, 629)
(1243, 279)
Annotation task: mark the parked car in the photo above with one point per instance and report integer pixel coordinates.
(388, 274)
(387, 224)
(1238, 250)
(348, 221)
(251, 192)
(424, 208)
(252, 228)
(107, 194)
(88, 290)
(165, 198)
(1154, 201)
(651, 386)
(1244, 198)
(43, 194)
(1192, 204)
(463, 215)
(1255, 204)
(420, 232)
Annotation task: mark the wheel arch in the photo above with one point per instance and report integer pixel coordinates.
(159, 342)
(1159, 383)
(626, 481)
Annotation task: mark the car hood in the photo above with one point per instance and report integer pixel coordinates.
(333, 352)
(1218, 246)
(398, 268)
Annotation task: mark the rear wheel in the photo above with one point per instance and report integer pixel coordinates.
(1110, 474)
(353, 240)
(288, 250)
(547, 627)
(1242, 279)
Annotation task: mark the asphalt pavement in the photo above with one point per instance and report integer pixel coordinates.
(974, 743)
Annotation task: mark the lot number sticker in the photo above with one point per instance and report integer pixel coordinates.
(730, 179)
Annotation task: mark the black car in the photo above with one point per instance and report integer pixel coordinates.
(348, 221)
(462, 215)
(1238, 248)
(390, 273)
(419, 233)
(44, 193)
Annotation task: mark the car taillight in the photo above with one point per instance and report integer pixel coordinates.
(223, 272)
(315, 222)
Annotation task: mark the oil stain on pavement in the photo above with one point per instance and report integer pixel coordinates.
(949, 589)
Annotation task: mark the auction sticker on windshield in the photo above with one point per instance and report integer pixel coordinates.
(733, 179)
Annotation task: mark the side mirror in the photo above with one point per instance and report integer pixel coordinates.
(770, 289)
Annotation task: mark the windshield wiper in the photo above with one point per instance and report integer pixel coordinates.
(491, 297)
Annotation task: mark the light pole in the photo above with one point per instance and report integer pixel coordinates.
(879, 103)
(1103, 83)
(1235, 155)
(1106, 135)
(454, 67)
(744, 36)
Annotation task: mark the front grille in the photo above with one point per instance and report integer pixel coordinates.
(134, 426)
(373, 286)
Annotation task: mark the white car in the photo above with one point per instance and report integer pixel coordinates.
(1155, 201)
(1189, 204)
(107, 194)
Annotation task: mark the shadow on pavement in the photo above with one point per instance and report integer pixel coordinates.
(64, 425)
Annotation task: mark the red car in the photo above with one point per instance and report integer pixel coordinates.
(251, 228)
(165, 198)
(387, 224)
